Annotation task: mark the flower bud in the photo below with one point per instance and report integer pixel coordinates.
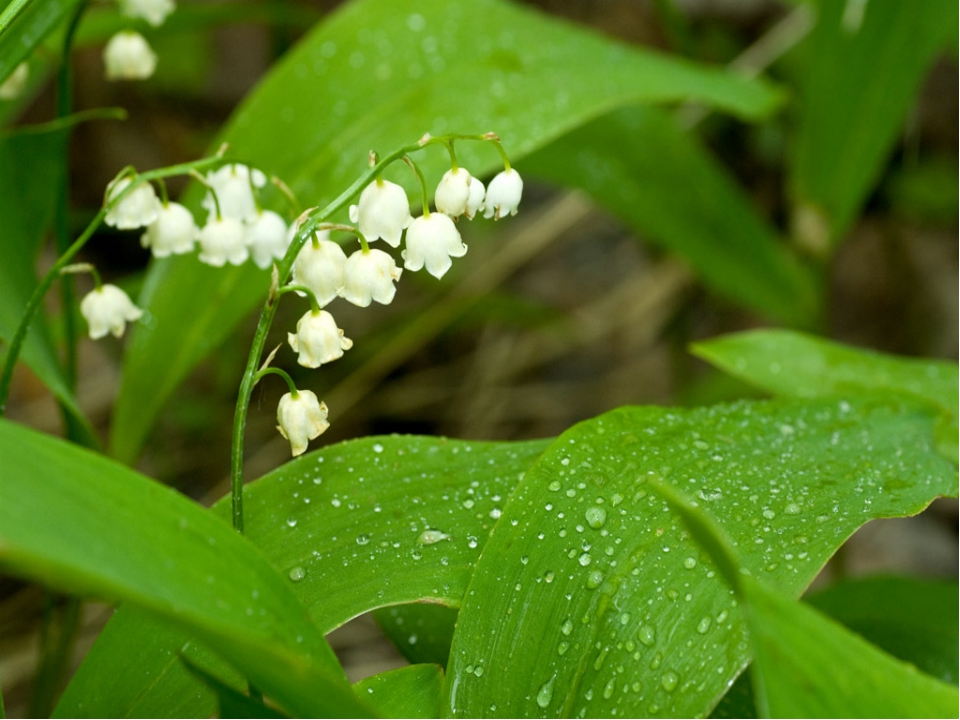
(320, 268)
(475, 201)
(267, 237)
(383, 212)
(222, 241)
(453, 192)
(318, 340)
(139, 208)
(503, 195)
(153, 11)
(432, 240)
(302, 418)
(108, 309)
(173, 232)
(127, 56)
(231, 183)
(369, 276)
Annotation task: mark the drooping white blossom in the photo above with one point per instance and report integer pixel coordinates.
(108, 309)
(503, 195)
(232, 184)
(301, 418)
(128, 56)
(15, 82)
(139, 208)
(318, 340)
(475, 201)
(174, 232)
(223, 241)
(432, 240)
(369, 276)
(268, 238)
(453, 192)
(153, 11)
(320, 268)
(383, 212)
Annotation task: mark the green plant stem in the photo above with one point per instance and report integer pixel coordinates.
(305, 232)
(10, 13)
(33, 305)
(60, 623)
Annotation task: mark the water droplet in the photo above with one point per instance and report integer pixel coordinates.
(378, 448)
(430, 537)
(297, 574)
(655, 662)
(669, 681)
(567, 627)
(704, 625)
(769, 514)
(624, 618)
(594, 579)
(792, 509)
(585, 559)
(363, 539)
(545, 693)
(596, 517)
(563, 647)
(548, 576)
(478, 671)
(292, 522)
(524, 560)
(608, 688)
(690, 563)
(647, 635)
(412, 639)
(554, 486)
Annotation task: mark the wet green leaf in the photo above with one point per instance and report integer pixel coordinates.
(590, 581)
(408, 692)
(422, 632)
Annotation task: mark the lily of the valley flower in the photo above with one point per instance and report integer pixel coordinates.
(231, 183)
(108, 309)
(453, 192)
(302, 418)
(318, 340)
(369, 275)
(223, 241)
(432, 240)
(475, 201)
(140, 207)
(153, 11)
(128, 56)
(383, 212)
(173, 232)
(320, 268)
(15, 82)
(503, 195)
(267, 237)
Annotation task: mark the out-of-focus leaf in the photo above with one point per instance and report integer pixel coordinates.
(422, 632)
(926, 192)
(377, 74)
(408, 692)
(790, 363)
(589, 581)
(231, 702)
(37, 20)
(382, 520)
(913, 620)
(78, 522)
(638, 164)
(864, 64)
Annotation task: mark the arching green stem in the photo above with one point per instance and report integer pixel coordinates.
(423, 184)
(314, 305)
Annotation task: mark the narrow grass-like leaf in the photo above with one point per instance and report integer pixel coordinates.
(81, 523)
(377, 74)
(408, 692)
(790, 363)
(659, 180)
(32, 25)
(354, 526)
(590, 581)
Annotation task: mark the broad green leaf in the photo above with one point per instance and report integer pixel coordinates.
(863, 66)
(30, 164)
(355, 526)
(658, 179)
(913, 620)
(790, 363)
(408, 692)
(232, 703)
(421, 632)
(591, 586)
(79, 522)
(377, 74)
(31, 26)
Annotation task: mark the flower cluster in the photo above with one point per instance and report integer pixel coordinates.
(127, 55)
(238, 229)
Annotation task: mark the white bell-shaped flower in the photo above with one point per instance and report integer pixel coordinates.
(268, 238)
(369, 276)
(475, 201)
(153, 11)
(320, 268)
(174, 232)
(232, 184)
(223, 241)
(128, 56)
(318, 340)
(503, 195)
(15, 82)
(108, 309)
(383, 212)
(302, 418)
(432, 240)
(453, 192)
(139, 208)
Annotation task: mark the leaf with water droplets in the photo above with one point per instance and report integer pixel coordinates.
(837, 464)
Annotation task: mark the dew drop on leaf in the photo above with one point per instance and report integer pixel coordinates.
(545, 693)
